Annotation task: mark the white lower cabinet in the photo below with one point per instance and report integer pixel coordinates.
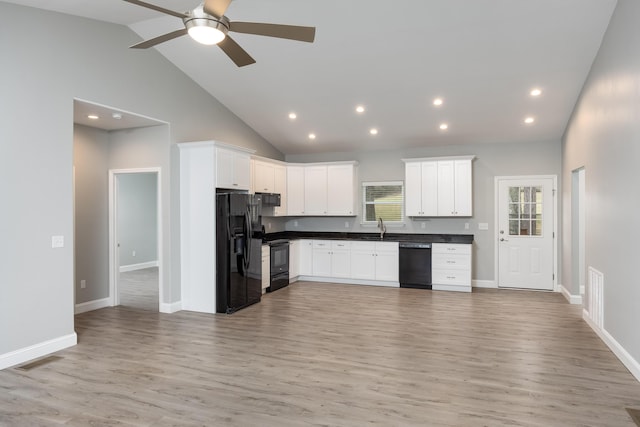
(331, 258)
(451, 267)
(266, 267)
(294, 260)
(374, 261)
(306, 257)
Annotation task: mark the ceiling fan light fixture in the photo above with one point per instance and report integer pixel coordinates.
(205, 31)
(204, 28)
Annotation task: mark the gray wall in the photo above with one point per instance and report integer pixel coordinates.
(137, 218)
(91, 162)
(492, 160)
(46, 64)
(603, 137)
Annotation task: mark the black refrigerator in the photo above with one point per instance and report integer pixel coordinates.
(239, 251)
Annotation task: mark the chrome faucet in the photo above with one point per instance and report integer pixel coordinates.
(382, 227)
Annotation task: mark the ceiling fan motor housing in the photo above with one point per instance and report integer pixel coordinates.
(199, 18)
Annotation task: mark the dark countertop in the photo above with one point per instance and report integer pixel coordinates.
(388, 237)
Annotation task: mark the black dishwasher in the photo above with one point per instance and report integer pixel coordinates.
(415, 265)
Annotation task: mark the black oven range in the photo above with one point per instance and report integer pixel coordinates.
(279, 265)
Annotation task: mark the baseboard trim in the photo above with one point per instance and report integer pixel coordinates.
(35, 351)
(97, 304)
(171, 307)
(572, 299)
(346, 281)
(623, 355)
(141, 266)
(484, 284)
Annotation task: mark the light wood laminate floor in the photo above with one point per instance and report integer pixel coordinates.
(333, 355)
(139, 289)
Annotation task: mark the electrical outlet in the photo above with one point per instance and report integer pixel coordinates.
(269, 226)
(295, 223)
(83, 284)
(483, 226)
(466, 225)
(346, 224)
(133, 253)
(423, 225)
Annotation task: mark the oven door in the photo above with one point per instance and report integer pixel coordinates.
(279, 259)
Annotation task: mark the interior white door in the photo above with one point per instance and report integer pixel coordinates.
(526, 215)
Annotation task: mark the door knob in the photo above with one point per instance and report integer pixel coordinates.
(502, 239)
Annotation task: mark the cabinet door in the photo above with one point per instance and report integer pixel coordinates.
(280, 187)
(340, 190)
(413, 189)
(463, 188)
(306, 258)
(387, 262)
(322, 258)
(224, 168)
(264, 177)
(315, 190)
(429, 188)
(446, 188)
(295, 190)
(294, 259)
(241, 171)
(341, 259)
(363, 264)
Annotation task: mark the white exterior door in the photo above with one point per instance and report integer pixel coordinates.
(525, 232)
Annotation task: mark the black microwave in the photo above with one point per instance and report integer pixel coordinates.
(270, 199)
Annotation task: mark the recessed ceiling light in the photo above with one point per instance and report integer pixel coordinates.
(529, 120)
(293, 116)
(93, 116)
(116, 116)
(438, 102)
(444, 126)
(360, 109)
(373, 131)
(312, 136)
(535, 92)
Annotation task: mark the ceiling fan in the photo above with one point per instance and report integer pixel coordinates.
(207, 24)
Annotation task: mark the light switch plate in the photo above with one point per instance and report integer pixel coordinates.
(57, 242)
(483, 226)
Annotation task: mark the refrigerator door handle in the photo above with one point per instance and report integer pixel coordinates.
(247, 240)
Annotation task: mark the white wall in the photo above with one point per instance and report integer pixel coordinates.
(492, 160)
(48, 59)
(603, 136)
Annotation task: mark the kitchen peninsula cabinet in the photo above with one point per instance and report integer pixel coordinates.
(439, 187)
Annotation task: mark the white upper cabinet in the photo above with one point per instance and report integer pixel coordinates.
(263, 177)
(315, 190)
(341, 186)
(233, 169)
(327, 189)
(439, 187)
(280, 187)
(295, 190)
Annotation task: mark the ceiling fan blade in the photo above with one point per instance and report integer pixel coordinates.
(157, 40)
(291, 32)
(235, 52)
(158, 8)
(216, 8)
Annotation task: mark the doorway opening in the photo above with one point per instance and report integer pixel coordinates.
(135, 276)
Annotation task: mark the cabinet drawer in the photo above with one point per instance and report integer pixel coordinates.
(363, 246)
(321, 244)
(451, 277)
(450, 248)
(387, 247)
(340, 244)
(450, 261)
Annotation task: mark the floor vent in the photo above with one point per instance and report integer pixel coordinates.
(595, 297)
(635, 415)
(37, 363)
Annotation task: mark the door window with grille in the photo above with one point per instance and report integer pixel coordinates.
(525, 211)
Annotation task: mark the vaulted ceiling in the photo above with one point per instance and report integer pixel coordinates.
(481, 57)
